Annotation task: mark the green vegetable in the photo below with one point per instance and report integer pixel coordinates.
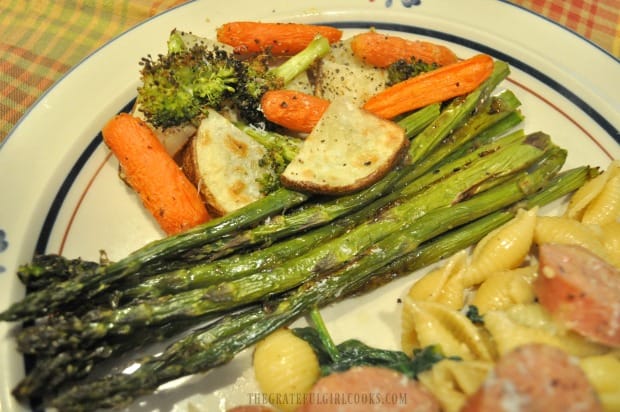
(178, 87)
(155, 256)
(265, 265)
(44, 270)
(353, 352)
(237, 265)
(53, 370)
(147, 258)
(285, 146)
(452, 241)
(404, 69)
(325, 258)
(217, 344)
(427, 253)
(473, 315)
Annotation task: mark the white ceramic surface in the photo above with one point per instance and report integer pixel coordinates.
(60, 191)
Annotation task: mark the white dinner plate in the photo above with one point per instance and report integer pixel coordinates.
(61, 193)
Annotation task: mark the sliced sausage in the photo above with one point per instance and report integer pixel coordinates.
(369, 389)
(580, 290)
(535, 378)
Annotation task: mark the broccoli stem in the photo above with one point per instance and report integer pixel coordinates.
(175, 42)
(300, 62)
(287, 146)
(216, 345)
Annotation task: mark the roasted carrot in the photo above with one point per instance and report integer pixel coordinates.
(381, 50)
(277, 38)
(163, 188)
(431, 87)
(294, 110)
(299, 111)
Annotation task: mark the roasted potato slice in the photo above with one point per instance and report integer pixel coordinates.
(348, 149)
(225, 164)
(340, 73)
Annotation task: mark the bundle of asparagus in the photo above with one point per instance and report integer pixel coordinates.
(263, 266)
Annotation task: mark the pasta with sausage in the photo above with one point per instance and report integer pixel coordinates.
(497, 277)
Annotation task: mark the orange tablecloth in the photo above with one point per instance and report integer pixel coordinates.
(40, 40)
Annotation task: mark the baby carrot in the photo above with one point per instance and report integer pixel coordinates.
(431, 87)
(299, 111)
(277, 38)
(163, 188)
(381, 50)
(294, 110)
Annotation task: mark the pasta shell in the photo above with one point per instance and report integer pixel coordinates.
(452, 382)
(555, 229)
(408, 328)
(604, 208)
(285, 367)
(505, 288)
(431, 323)
(502, 249)
(453, 293)
(610, 236)
(580, 200)
(603, 372)
(534, 316)
(431, 285)
(534, 325)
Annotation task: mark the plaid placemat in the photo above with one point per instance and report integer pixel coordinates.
(40, 40)
(596, 20)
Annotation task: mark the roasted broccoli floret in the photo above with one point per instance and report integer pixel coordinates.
(177, 87)
(275, 163)
(403, 69)
(257, 79)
